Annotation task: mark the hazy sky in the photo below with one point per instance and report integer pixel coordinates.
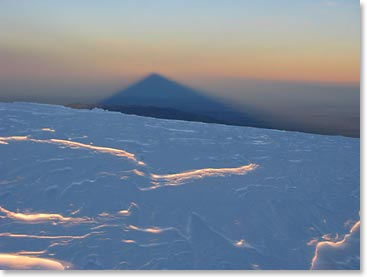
(83, 48)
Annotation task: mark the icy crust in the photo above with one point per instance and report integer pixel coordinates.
(93, 189)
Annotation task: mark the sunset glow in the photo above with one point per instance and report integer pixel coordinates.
(74, 45)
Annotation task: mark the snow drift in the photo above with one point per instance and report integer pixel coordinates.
(93, 189)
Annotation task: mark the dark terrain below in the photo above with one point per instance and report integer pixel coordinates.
(349, 128)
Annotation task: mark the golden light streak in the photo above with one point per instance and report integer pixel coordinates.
(138, 172)
(157, 180)
(179, 178)
(166, 179)
(240, 243)
(124, 212)
(104, 214)
(11, 235)
(153, 230)
(31, 252)
(355, 227)
(200, 173)
(41, 217)
(128, 241)
(76, 211)
(14, 138)
(132, 227)
(13, 261)
(108, 150)
(73, 144)
(128, 211)
(48, 130)
(338, 244)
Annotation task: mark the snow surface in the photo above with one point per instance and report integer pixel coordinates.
(84, 189)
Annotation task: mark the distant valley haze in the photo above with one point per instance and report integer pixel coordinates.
(308, 107)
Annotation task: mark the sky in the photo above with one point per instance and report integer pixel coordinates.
(84, 49)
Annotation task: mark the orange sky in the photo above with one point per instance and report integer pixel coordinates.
(74, 44)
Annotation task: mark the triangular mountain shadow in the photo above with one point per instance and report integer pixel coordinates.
(158, 96)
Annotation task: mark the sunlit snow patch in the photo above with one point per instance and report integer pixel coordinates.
(41, 217)
(77, 145)
(343, 254)
(179, 178)
(13, 261)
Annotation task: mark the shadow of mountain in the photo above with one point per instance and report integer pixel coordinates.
(157, 96)
(165, 113)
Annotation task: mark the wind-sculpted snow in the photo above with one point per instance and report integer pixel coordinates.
(41, 217)
(76, 145)
(342, 254)
(45, 237)
(153, 230)
(93, 189)
(179, 178)
(116, 152)
(166, 180)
